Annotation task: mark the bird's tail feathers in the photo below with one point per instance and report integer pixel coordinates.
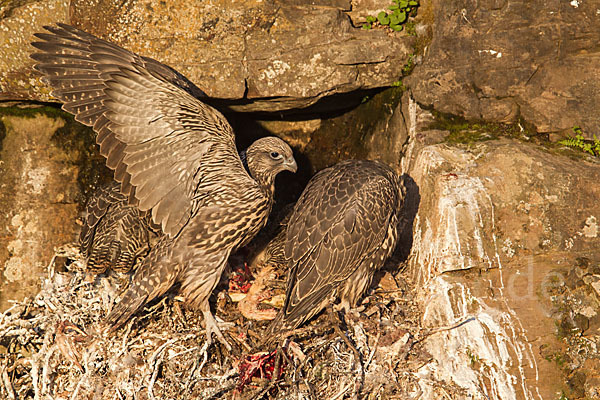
(276, 324)
(291, 317)
(133, 299)
(151, 279)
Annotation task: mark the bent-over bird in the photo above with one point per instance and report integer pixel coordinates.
(342, 229)
(174, 156)
(114, 233)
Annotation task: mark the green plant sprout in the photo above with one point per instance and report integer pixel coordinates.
(563, 396)
(579, 142)
(400, 11)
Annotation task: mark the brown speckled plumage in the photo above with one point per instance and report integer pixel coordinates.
(342, 229)
(114, 233)
(174, 156)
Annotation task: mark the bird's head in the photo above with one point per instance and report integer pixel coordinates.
(267, 157)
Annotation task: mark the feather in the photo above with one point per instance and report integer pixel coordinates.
(173, 156)
(358, 204)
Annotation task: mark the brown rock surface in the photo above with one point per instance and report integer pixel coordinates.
(500, 230)
(494, 59)
(18, 22)
(506, 244)
(266, 55)
(40, 182)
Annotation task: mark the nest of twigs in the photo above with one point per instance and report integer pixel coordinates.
(52, 346)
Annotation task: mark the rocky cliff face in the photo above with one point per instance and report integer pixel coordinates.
(264, 55)
(45, 159)
(501, 59)
(495, 60)
(502, 253)
(500, 228)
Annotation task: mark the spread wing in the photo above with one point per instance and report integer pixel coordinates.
(162, 142)
(340, 219)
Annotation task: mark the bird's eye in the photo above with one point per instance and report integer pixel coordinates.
(275, 155)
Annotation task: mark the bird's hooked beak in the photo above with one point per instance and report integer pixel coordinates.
(290, 164)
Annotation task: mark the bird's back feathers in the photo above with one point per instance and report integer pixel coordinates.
(345, 221)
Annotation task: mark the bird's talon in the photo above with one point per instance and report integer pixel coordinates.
(212, 327)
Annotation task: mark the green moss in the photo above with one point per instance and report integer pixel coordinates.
(411, 28)
(464, 131)
(33, 111)
(474, 359)
(409, 66)
(468, 132)
(557, 358)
